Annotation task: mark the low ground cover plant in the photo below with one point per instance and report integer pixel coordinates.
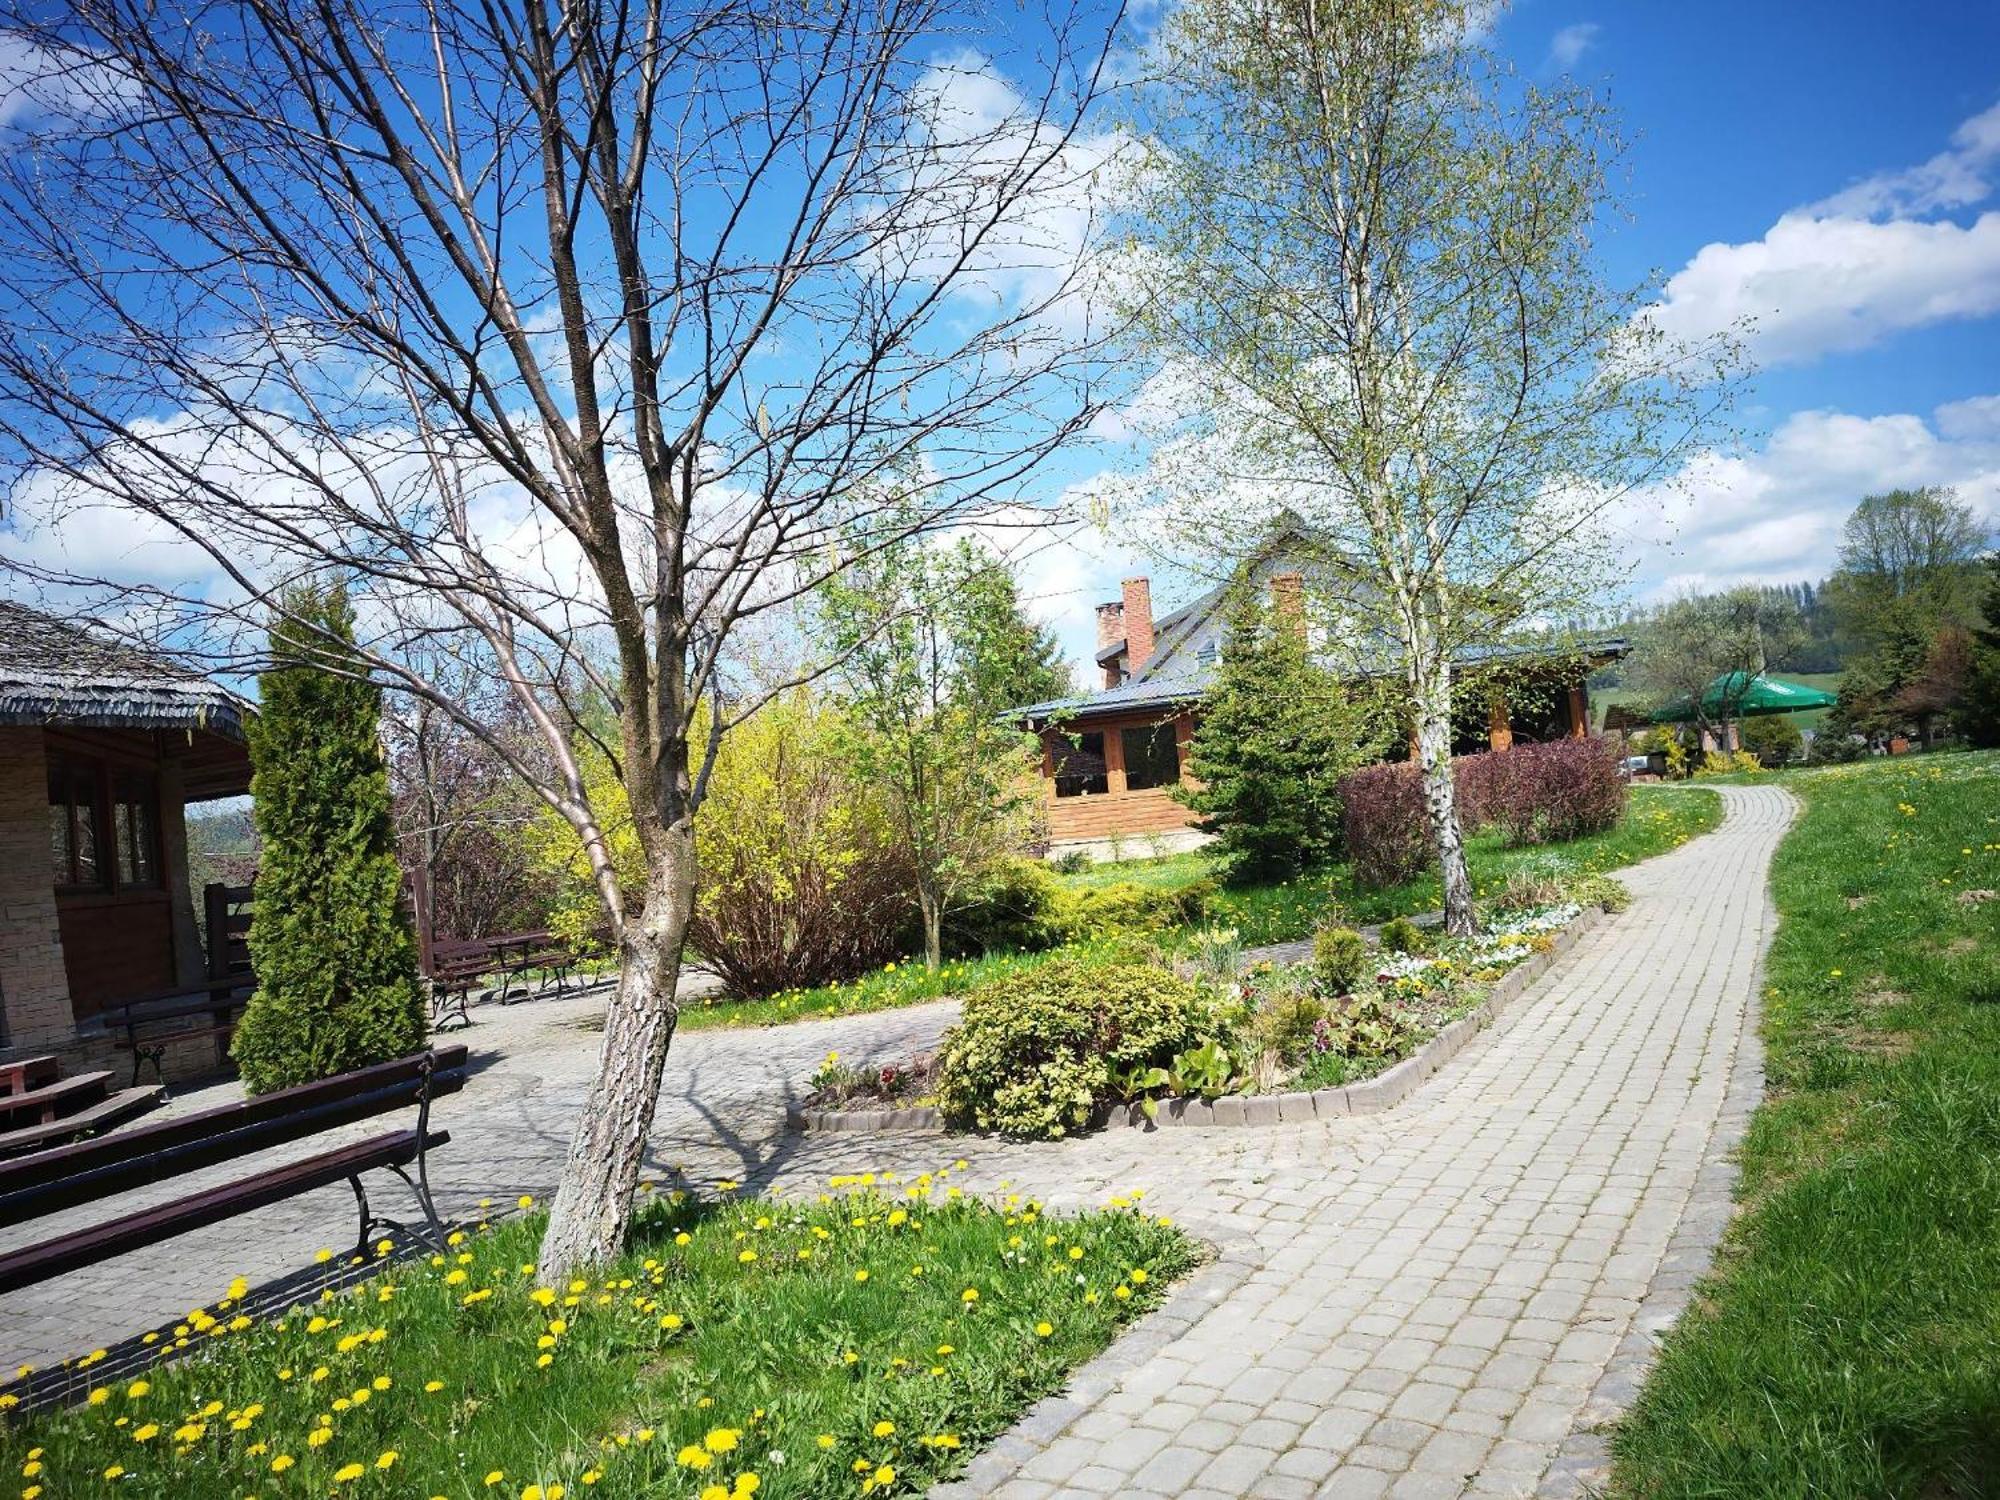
(862, 1344)
(1848, 1342)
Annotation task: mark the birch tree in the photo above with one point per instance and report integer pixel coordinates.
(562, 333)
(1363, 251)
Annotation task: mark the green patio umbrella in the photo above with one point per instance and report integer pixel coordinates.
(1747, 697)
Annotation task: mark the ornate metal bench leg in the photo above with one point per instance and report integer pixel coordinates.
(367, 1219)
(420, 1188)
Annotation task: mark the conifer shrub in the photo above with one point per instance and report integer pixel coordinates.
(1036, 1053)
(330, 942)
(1401, 935)
(1340, 959)
(1277, 732)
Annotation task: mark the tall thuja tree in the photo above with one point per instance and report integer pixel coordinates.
(1364, 252)
(1277, 733)
(928, 679)
(331, 945)
(572, 335)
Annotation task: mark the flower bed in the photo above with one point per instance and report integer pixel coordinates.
(863, 1344)
(1068, 1049)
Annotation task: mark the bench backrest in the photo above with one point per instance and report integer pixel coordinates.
(176, 1005)
(69, 1176)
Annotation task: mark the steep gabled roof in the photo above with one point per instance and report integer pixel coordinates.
(56, 672)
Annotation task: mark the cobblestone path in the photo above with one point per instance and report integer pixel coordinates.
(1435, 1301)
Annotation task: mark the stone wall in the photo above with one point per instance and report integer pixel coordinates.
(32, 981)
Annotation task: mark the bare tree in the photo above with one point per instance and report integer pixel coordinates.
(570, 333)
(1365, 252)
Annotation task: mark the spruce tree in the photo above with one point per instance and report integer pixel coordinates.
(333, 952)
(1277, 733)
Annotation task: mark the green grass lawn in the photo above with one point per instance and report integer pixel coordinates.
(1659, 819)
(865, 1343)
(1848, 1342)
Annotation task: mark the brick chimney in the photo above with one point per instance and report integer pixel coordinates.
(1110, 624)
(1288, 601)
(1138, 613)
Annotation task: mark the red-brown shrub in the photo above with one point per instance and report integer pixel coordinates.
(1382, 817)
(1534, 794)
(1542, 794)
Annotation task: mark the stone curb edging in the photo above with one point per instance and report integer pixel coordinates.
(861, 1121)
(1369, 1097)
(1236, 1259)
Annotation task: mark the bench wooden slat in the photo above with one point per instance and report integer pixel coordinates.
(106, 1181)
(163, 1135)
(39, 1106)
(154, 1039)
(105, 1112)
(198, 1210)
(25, 1073)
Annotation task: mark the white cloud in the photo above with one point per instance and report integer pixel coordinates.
(1955, 177)
(1567, 46)
(1814, 286)
(1856, 268)
(1774, 514)
(40, 86)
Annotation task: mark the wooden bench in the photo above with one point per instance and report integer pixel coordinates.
(25, 1073)
(460, 965)
(92, 1171)
(186, 1015)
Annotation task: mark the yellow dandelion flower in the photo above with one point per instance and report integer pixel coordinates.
(348, 1473)
(884, 1429)
(1043, 1330)
(721, 1440)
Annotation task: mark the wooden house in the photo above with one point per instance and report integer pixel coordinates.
(1112, 758)
(102, 747)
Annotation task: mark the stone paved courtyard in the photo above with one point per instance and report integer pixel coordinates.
(1436, 1301)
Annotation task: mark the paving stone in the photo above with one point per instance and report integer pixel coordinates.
(1545, 1199)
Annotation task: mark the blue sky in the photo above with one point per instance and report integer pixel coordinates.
(1827, 168)
(1833, 170)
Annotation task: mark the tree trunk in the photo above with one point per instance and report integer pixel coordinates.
(1433, 709)
(600, 1178)
(931, 905)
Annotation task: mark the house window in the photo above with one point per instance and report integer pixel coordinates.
(75, 824)
(1151, 757)
(87, 802)
(1080, 765)
(135, 825)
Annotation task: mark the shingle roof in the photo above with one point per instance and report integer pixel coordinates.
(1193, 685)
(55, 672)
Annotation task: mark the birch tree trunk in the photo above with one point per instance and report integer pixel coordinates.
(1431, 692)
(587, 1221)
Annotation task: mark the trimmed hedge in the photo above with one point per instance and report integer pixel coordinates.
(1534, 794)
(1542, 794)
(1385, 825)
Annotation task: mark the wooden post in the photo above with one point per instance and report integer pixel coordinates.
(1579, 712)
(1499, 730)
